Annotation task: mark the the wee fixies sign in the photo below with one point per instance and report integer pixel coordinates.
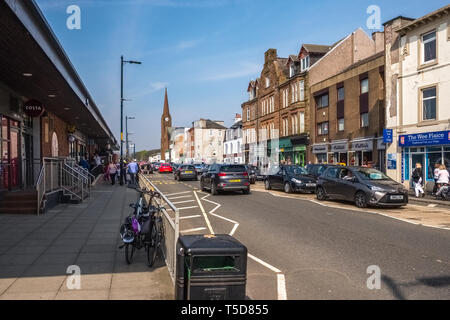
(425, 139)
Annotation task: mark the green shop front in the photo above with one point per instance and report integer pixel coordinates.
(293, 150)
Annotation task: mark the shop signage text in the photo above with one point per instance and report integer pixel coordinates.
(425, 139)
(320, 149)
(362, 145)
(33, 108)
(340, 147)
(387, 135)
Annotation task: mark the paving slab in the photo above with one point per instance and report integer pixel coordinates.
(33, 264)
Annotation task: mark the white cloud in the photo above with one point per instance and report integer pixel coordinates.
(244, 69)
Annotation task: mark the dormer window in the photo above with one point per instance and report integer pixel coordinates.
(305, 63)
(291, 70)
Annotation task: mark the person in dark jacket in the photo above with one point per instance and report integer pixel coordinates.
(417, 181)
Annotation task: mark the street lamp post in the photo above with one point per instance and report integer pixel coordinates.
(122, 62)
(126, 134)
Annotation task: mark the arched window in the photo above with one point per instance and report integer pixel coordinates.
(55, 151)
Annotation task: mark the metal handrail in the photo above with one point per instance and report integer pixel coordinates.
(171, 225)
(74, 177)
(40, 188)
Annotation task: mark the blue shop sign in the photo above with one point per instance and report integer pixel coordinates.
(387, 136)
(425, 139)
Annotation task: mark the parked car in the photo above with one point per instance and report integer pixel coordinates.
(362, 186)
(185, 172)
(157, 165)
(146, 168)
(165, 168)
(222, 177)
(316, 170)
(290, 179)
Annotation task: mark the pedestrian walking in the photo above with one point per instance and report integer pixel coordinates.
(443, 180)
(417, 181)
(112, 168)
(133, 169)
(436, 177)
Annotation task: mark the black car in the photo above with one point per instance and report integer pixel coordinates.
(222, 177)
(316, 170)
(363, 186)
(290, 179)
(184, 172)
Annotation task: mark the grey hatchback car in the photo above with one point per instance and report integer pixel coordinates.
(220, 177)
(362, 186)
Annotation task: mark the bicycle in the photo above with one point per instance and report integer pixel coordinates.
(140, 229)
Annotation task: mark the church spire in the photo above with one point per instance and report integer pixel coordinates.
(166, 105)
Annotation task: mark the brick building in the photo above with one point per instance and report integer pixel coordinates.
(347, 102)
(276, 117)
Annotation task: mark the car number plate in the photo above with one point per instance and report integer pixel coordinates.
(396, 197)
(310, 184)
(238, 180)
(188, 172)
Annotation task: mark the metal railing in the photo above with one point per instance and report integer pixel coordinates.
(61, 174)
(171, 225)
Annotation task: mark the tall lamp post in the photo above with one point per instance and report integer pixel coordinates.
(122, 62)
(126, 133)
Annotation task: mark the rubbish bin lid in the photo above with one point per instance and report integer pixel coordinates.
(218, 244)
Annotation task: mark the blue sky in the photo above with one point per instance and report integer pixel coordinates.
(204, 51)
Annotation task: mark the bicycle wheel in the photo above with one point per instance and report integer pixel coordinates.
(129, 252)
(152, 247)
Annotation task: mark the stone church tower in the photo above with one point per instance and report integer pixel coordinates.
(166, 123)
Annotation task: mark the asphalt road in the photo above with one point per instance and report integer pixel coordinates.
(299, 249)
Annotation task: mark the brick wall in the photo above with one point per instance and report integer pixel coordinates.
(49, 125)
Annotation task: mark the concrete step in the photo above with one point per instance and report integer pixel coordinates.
(18, 210)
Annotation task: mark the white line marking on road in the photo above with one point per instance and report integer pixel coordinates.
(234, 229)
(281, 287)
(190, 217)
(265, 264)
(192, 230)
(173, 194)
(281, 281)
(185, 201)
(185, 208)
(204, 213)
(218, 205)
(181, 197)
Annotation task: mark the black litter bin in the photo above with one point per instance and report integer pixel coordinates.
(210, 268)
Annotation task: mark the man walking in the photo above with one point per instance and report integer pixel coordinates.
(133, 169)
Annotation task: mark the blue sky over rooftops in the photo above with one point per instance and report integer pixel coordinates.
(204, 51)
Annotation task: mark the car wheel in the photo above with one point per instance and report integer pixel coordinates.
(213, 189)
(267, 185)
(246, 191)
(361, 200)
(320, 193)
(287, 187)
(175, 178)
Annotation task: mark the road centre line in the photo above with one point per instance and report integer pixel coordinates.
(204, 213)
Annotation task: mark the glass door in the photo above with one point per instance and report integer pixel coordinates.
(10, 154)
(415, 159)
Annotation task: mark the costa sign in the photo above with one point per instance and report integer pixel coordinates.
(33, 108)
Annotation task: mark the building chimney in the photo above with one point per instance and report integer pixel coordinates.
(270, 55)
(237, 118)
(378, 38)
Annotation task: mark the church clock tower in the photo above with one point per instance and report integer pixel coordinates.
(166, 123)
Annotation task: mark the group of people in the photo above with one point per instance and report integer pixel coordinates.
(112, 172)
(441, 180)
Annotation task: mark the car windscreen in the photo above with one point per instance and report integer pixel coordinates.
(371, 174)
(233, 169)
(295, 170)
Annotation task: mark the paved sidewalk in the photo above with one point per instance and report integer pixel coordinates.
(36, 251)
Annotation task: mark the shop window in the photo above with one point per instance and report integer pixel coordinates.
(433, 158)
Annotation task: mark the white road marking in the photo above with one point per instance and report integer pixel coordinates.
(192, 230)
(190, 217)
(185, 208)
(204, 214)
(181, 197)
(281, 281)
(217, 204)
(185, 201)
(234, 229)
(173, 194)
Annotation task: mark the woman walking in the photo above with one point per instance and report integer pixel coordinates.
(112, 169)
(443, 180)
(417, 181)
